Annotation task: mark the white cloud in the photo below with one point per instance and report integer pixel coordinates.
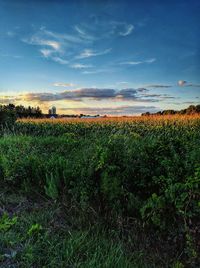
(60, 60)
(123, 82)
(138, 62)
(83, 33)
(61, 37)
(36, 40)
(80, 66)
(11, 34)
(97, 71)
(150, 60)
(182, 83)
(131, 62)
(46, 52)
(59, 84)
(128, 30)
(87, 53)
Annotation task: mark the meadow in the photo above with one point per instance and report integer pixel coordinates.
(103, 192)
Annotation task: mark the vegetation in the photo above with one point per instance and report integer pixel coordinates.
(192, 109)
(10, 112)
(110, 192)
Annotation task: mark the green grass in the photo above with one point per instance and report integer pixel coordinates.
(100, 195)
(46, 234)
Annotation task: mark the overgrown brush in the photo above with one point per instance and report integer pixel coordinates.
(146, 170)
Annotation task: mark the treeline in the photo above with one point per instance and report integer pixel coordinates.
(9, 113)
(192, 109)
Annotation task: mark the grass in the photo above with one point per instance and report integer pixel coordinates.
(48, 234)
(106, 193)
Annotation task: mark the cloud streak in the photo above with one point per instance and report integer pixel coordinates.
(98, 94)
(80, 66)
(138, 62)
(59, 84)
(54, 45)
(183, 83)
(118, 110)
(87, 53)
(158, 86)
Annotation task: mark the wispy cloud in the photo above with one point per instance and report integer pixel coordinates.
(83, 33)
(64, 48)
(127, 30)
(59, 84)
(158, 86)
(11, 56)
(98, 94)
(36, 40)
(80, 66)
(97, 71)
(122, 83)
(138, 62)
(117, 110)
(183, 83)
(131, 62)
(46, 52)
(150, 60)
(97, 28)
(11, 34)
(53, 45)
(87, 53)
(60, 60)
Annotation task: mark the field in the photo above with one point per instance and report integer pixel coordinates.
(107, 192)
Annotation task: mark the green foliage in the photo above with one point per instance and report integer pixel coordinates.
(51, 187)
(6, 222)
(147, 170)
(34, 229)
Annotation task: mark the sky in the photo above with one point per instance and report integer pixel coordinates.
(100, 57)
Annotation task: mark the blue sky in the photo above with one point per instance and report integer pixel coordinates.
(107, 57)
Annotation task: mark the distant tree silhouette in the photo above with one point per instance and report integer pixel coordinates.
(9, 113)
(192, 109)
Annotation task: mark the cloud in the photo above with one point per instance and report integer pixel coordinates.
(80, 66)
(11, 56)
(71, 38)
(128, 28)
(46, 52)
(52, 45)
(119, 110)
(73, 43)
(138, 62)
(42, 41)
(193, 85)
(87, 53)
(142, 89)
(58, 84)
(98, 94)
(131, 62)
(83, 33)
(103, 70)
(183, 83)
(158, 86)
(11, 34)
(60, 60)
(101, 27)
(122, 83)
(150, 60)
(9, 99)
